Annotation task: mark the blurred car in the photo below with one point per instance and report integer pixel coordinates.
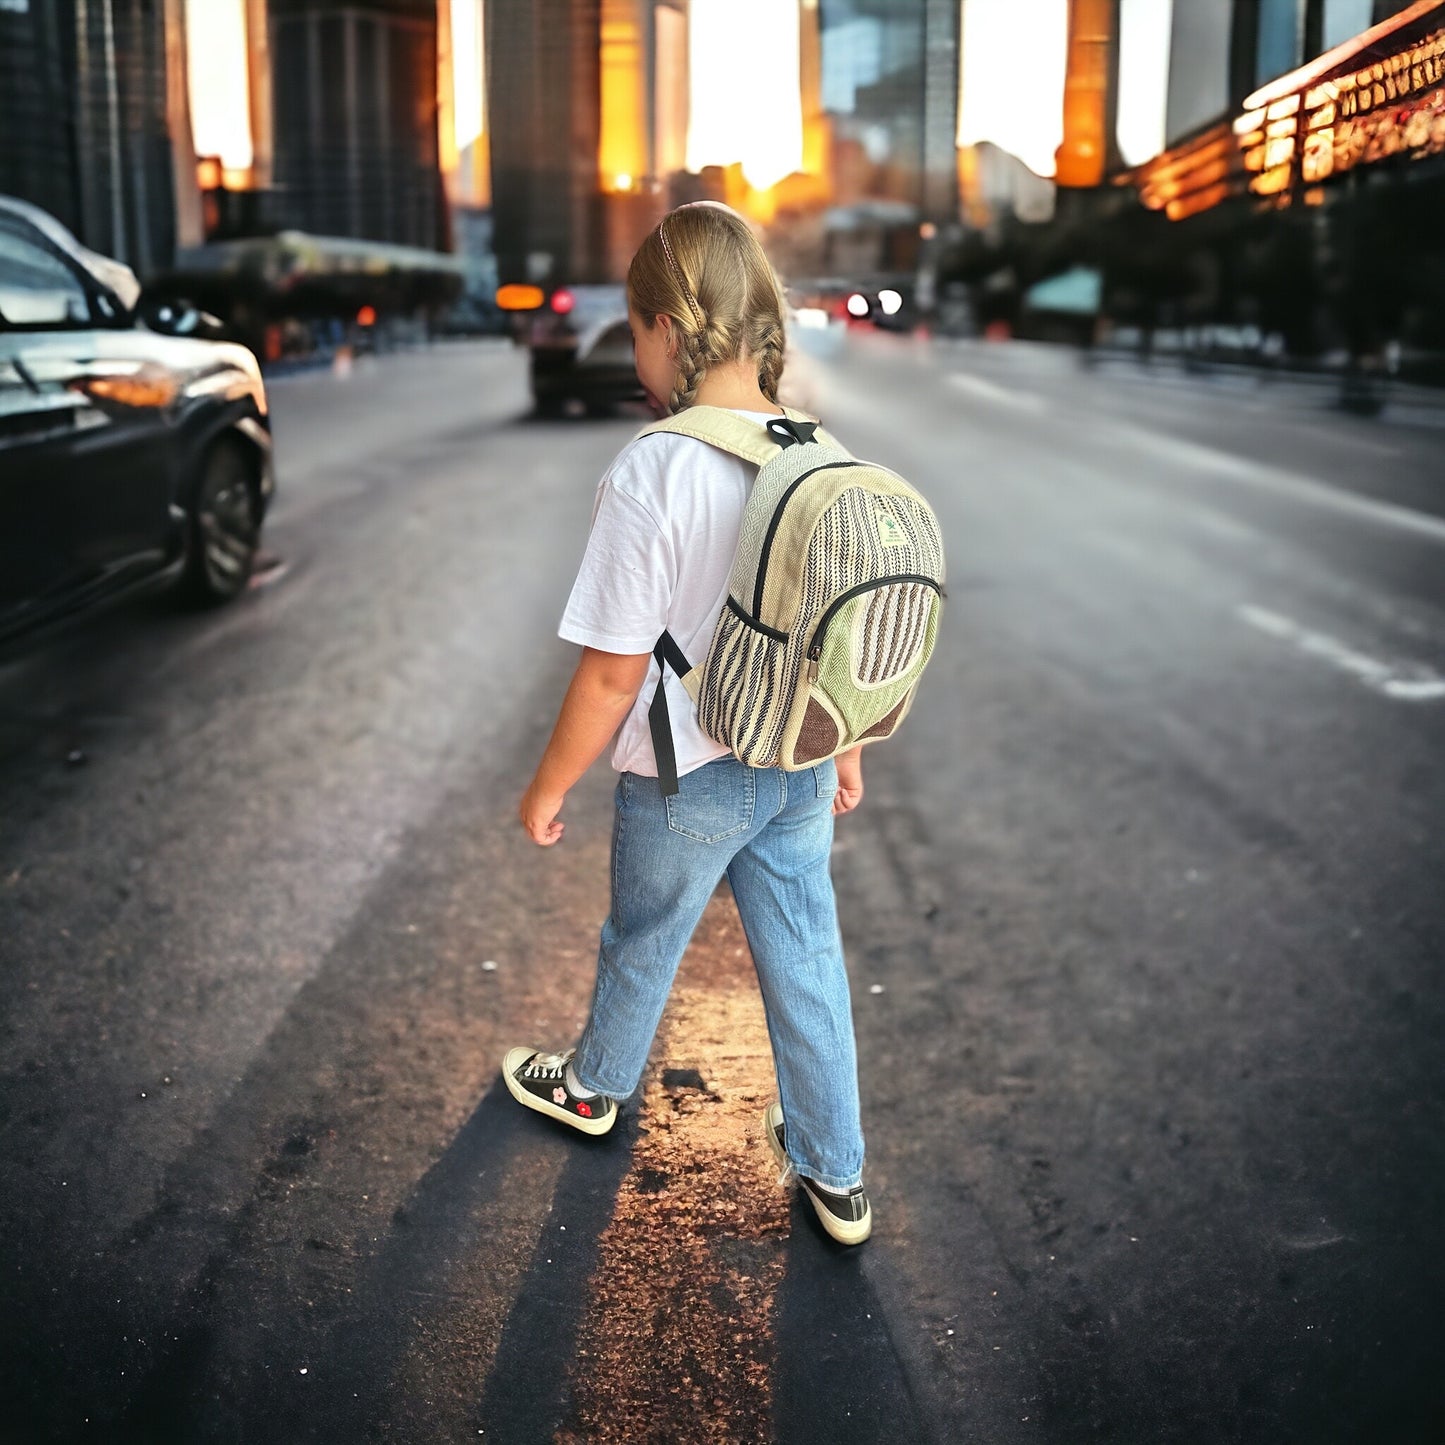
(888, 307)
(581, 352)
(130, 451)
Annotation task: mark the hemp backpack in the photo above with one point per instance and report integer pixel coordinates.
(833, 601)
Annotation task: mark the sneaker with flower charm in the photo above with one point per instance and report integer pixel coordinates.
(538, 1081)
(845, 1214)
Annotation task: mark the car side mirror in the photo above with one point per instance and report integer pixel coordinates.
(181, 318)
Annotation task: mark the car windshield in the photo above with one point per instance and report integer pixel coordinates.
(36, 287)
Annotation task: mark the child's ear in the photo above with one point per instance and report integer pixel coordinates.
(669, 337)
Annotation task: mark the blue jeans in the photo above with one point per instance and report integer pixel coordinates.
(771, 832)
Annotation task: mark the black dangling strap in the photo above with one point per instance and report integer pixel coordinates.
(787, 432)
(668, 654)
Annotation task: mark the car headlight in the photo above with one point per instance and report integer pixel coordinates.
(147, 387)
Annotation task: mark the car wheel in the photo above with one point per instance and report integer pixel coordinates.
(223, 531)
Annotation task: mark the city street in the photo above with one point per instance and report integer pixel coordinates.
(1143, 911)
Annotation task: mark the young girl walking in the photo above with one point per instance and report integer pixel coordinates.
(706, 313)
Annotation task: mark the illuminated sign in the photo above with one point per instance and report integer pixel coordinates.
(1394, 107)
(1398, 78)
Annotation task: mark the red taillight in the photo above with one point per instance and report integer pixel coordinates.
(563, 301)
(366, 316)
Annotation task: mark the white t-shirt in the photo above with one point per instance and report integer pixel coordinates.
(665, 525)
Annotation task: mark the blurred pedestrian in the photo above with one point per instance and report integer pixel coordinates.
(706, 313)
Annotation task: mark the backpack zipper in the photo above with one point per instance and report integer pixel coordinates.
(776, 520)
(815, 648)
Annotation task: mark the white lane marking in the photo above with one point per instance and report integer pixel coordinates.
(1290, 484)
(1404, 683)
(989, 391)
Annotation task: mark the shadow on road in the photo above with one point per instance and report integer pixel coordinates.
(838, 1375)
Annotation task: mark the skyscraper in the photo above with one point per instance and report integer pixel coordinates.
(84, 115)
(644, 102)
(938, 189)
(544, 94)
(354, 96)
(890, 85)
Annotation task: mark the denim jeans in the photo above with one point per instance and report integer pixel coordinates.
(771, 833)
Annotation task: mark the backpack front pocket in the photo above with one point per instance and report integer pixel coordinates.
(867, 652)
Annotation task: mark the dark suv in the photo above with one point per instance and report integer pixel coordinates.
(581, 351)
(129, 452)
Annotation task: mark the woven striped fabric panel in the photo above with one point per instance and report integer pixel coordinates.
(772, 484)
(891, 635)
(845, 548)
(830, 540)
(747, 687)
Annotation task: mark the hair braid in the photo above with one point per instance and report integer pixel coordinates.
(691, 368)
(769, 352)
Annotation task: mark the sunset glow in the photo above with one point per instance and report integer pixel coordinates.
(622, 147)
(468, 83)
(746, 104)
(1012, 82)
(216, 61)
(1144, 28)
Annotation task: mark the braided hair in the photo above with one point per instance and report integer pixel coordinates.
(702, 266)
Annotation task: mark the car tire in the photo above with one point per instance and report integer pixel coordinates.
(223, 528)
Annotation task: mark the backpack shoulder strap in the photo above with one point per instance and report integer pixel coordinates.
(668, 654)
(729, 432)
(720, 428)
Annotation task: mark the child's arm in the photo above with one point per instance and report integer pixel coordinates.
(850, 780)
(601, 694)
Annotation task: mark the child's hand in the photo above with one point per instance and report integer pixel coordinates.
(850, 781)
(539, 816)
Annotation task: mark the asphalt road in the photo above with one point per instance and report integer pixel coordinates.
(1143, 910)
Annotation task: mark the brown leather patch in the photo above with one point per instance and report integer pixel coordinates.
(884, 726)
(818, 736)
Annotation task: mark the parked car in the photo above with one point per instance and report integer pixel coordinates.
(581, 352)
(132, 449)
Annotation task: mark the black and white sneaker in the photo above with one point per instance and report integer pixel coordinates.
(538, 1081)
(846, 1216)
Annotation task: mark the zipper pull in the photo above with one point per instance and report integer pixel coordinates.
(814, 653)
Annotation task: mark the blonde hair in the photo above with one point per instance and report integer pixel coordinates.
(702, 266)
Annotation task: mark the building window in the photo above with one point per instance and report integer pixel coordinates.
(1280, 43)
(1344, 19)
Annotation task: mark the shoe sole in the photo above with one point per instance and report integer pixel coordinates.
(843, 1230)
(529, 1100)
